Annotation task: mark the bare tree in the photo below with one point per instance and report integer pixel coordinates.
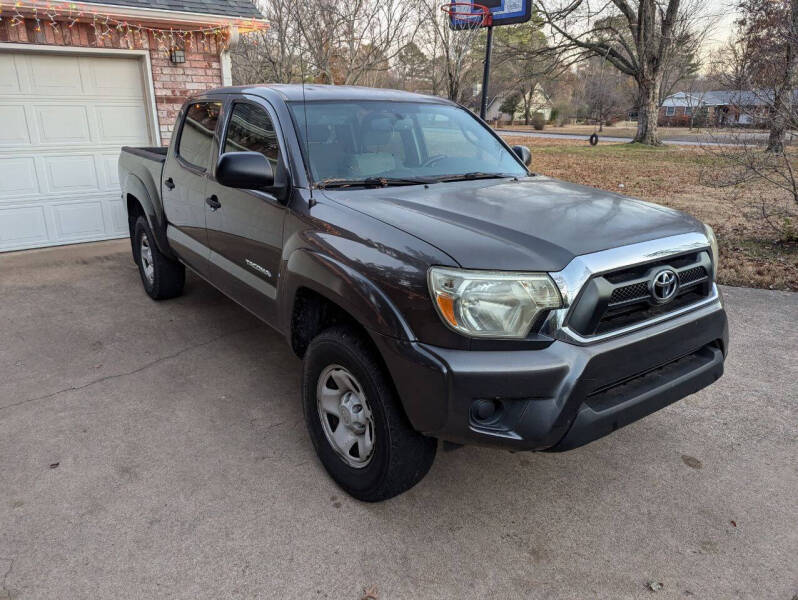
(343, 41)
(761, 65)
(605, 91)
(272, 55)
(454, 61)
(637, 37)
(742, 160)
(683, 63)
(767, 55)
(524, 65)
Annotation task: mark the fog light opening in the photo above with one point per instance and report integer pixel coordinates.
(485, 411)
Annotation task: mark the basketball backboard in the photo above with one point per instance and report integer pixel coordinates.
(503, 12)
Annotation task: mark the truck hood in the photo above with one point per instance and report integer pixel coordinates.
(535, 224)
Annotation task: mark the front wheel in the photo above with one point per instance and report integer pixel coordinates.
(357, 426)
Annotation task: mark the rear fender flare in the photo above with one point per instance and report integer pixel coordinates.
(135, 187)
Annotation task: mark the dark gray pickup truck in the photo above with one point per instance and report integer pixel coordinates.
(434, 287)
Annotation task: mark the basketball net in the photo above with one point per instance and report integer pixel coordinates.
(466, 20)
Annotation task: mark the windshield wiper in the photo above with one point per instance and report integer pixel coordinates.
(370, 182)
(472, 175)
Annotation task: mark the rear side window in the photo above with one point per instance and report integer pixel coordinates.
(197, 135)
(251, 130)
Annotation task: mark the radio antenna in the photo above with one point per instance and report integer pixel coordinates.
(307, 137)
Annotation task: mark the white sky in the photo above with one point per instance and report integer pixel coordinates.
(724, 10)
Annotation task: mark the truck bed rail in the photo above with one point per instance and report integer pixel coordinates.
(156, 153)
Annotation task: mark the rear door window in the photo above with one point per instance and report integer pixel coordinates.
(196, 137)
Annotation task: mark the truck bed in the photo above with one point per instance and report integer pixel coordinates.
(140, 171)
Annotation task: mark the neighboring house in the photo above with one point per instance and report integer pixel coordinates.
(539, 103)
(742, 107)
(77, 82)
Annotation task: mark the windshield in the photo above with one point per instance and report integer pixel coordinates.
(364, 140)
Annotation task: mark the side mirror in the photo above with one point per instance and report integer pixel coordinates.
(524, 154)
(246, 170)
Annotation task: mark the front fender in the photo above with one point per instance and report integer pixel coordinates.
(153, 211)
(344, 286)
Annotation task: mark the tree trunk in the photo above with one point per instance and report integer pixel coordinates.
(778, 122)
(781, 109)
(648, 111)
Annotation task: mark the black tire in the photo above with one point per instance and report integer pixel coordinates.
(168, 276)
(401, 456)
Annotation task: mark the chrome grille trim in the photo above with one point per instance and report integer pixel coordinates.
(578, 272)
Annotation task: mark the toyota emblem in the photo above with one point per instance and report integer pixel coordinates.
(664, 285)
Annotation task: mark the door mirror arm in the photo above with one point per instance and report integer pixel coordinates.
(279, 189)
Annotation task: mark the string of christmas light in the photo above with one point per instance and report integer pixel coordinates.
(58, 15)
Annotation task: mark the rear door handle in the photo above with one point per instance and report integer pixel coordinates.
(213, 202)
(169, 183)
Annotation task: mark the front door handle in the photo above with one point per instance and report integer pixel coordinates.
(169, 183)
(213, 202)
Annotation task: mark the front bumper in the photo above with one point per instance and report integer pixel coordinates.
(562, 396)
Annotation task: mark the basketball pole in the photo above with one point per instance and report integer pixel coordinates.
(483, 107)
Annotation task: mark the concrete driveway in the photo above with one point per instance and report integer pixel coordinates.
(157, 450)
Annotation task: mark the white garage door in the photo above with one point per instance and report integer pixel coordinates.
(63, 119)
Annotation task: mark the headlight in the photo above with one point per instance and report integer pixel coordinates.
(494, 304)
(713, 246)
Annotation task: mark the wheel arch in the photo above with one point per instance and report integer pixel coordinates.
(138, 201)
(319, 291)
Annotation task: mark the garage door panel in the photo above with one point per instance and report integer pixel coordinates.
(60, 124)
(71, 173)
(118, 79)
(63, 119)
(13, 125)
(22, 226)
(9, 77)
(109, 171)
(125, 124)
(78, 219)
(118, 216)
(17, 176)
(53, 74)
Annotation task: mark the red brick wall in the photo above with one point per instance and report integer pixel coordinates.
(172, 83)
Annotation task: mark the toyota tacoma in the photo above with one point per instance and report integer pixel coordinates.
(435, 288)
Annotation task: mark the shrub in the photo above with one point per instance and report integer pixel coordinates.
(538, 121)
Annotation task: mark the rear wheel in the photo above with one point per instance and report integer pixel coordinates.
(357, 426)
(162, 277)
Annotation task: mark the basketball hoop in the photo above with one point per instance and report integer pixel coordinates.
(468, 18)
(467, 15)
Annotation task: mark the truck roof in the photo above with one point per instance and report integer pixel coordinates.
(316, 91)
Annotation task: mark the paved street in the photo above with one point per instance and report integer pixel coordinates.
(157, 450)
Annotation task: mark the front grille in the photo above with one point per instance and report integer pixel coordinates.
(621, 298)
(691, 275)
(629, 292)
(643, 311)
